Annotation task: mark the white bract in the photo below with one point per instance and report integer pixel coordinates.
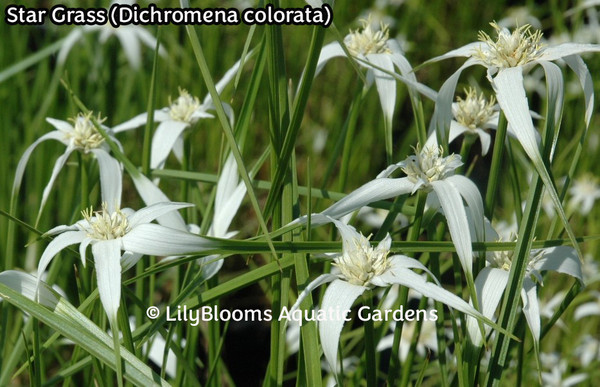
(362, 267)
(374, 50)
(130, 36)
(113, 230)
(82, 135)
(229, 195)
(426, 170)
(493, 279)
(181, 114)
(506, 59)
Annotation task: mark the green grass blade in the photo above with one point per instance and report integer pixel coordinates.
(67, 320)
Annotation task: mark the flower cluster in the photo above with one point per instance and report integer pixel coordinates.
(474, 111)
(84, 135)
(360, 262)
(510, 49)
(427, 165)
(368, 41)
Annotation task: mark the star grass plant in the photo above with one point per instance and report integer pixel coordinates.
(81, 135)
(440, 248)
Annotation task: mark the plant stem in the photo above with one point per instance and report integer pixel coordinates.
(413, 234)
(490, 195)
(371, 359)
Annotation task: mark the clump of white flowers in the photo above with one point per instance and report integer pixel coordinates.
(360, 262)
(474, 111)
(428, 165)
(184, 107)
(104, 224)
(368, 41)
(510, 49)
(84, 135)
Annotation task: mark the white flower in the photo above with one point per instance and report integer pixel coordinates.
(81, 135)
(492, 280)
(429, 171)
(505, 60)
(181, 114)
(372, 47)
(130, 37)
(518, 48)
(584, 192)
(362, 267)
(558, 367)
(472, 115)
(368, 41)
(427, 166)
(113, 230)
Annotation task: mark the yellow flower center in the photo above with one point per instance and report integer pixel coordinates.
(368, 41)
(510, 49)
(503, 259)
(360, 262)
(428, 165)
(85, 135)
(184, 106)
(104, 225)
(474, 111)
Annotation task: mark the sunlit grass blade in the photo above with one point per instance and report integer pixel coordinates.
(57, 313)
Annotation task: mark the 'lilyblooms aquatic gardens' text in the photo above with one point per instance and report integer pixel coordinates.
(213, 313)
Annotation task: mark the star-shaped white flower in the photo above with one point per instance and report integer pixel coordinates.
(81, 135)
(113, 230)
(472, 115)
(362, 267)
(426, 170)
(506, 58)
(373, 47)
(181, 114)
(492, 280)
(130, 36)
